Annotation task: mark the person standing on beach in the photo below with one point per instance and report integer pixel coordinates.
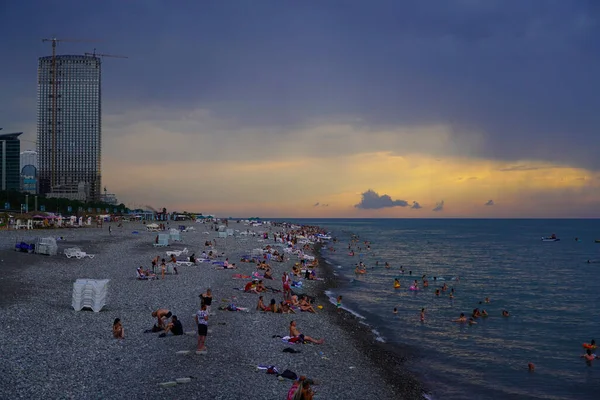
(206, 299)
(287, 290)
(202, 321)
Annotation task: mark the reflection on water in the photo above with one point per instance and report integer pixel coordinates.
(552, 293)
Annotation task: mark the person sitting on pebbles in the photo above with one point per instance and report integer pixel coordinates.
(117, 329)
(161, 315)
(260, 306)
(251, 286)
(268, 274)
(285, 308)
(260, 287)
(272, 307)
(174, 327)
(297, 337)
(305, 305)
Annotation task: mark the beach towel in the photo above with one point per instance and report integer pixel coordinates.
(240, 276)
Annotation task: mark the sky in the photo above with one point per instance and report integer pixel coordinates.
(331, 108)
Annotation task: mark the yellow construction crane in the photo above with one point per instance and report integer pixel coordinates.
(54, 97)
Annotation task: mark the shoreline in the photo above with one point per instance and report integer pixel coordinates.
(72, 354)
(390, 360)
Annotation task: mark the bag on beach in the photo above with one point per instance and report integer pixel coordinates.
(289, 375)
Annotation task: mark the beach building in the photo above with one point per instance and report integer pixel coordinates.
(29, 171)
(69, 133)
(10, 149)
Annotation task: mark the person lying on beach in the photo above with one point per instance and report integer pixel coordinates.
(260, 306)
(161, 315)
(145, 274)
(174, 327)
(230, 266)
(117, 329)
(461, 319)
(305, 305)
(296, 336)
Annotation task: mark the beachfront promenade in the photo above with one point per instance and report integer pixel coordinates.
(50, 351)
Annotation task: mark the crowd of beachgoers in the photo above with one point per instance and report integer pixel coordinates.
(254, 300)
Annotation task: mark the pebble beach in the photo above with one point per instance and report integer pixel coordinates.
(49, 350)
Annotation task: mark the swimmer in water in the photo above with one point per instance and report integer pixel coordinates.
(395, 310)
(396, 283)
(487, 299)
(472, 321)
(387, 265)
(451, 295)
(505, 313)
(437, 292)
(461, 319)
(484, 313)
(422, 314)
(589, 356)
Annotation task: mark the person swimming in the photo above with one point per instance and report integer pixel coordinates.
(422, 314)
(395, 310)
(461, 319)
(396, 283)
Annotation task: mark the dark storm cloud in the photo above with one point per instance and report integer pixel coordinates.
(439, 206)
(415, 205)
(372, 200)
(489, 203)
(523, 74)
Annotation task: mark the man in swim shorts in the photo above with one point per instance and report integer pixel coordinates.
(161, 315)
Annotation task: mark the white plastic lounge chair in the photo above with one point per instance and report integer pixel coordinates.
(186, 263)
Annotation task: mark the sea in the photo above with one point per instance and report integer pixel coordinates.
(550, 289)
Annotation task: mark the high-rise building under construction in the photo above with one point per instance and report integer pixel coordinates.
(69, 134)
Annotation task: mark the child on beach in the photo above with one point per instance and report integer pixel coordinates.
(117, 329)
(202, 321)
(339, 303)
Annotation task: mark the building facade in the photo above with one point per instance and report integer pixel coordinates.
(69, 134)
(10, 161)
(29, 171)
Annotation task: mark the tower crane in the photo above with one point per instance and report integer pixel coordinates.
(94, 54)
(54, 42)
